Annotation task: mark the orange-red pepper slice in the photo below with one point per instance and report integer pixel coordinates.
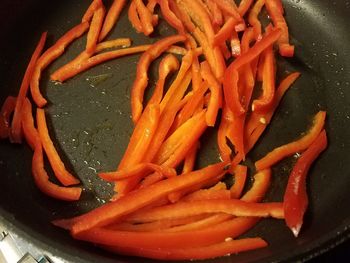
(134, 17)
(295, 198)
(49, 56)
(170, 17)
(7, 109)
(16, 129)
(215, 250)
(240, 175)
(244, 6)
(111, 18)
(145, 17)
(299, 145)
(141, 80)
(65, 177)
(190, 159)
(89, 13)
(254, 20)
(95, 29)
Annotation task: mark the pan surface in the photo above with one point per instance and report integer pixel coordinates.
(89, 116)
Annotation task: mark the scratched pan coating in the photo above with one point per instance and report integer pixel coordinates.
(89, 117)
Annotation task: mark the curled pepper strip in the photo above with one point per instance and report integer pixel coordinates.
(170, 17)
(225, 32)
(145, 17)
(57, 165)
(7, 108)
(127, 204)
(216, 250)
(111, 18)
(254, 20)
(134, 17)
(244, 6)
(49, 56)
(231, 92)
(299, 145)
(141, 80)
(41, 178)
(295, 198)
(240, 175)
(16, 129)
(89, 13)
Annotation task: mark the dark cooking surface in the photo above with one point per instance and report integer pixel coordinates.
(90, 120)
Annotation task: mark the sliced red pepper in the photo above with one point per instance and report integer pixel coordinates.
(240, 175)
(111, 18)
(225, 31)
(190, 159)
(207, 194)
(89, 13)
(114, 43)
(145, 17)
(253, 18)
(215, 102)
(6, 110)
(41, 178)
(258, 122)
(167, 65)
(170, 17)
(216, 250)
(94, 30)
(177, 145)
(16, 129)
(141, 80)
(299, 145)
(235, 44)
(274, 8)
(218, 18)
(65, 177)
(265, 101)
(127, 204)
(49, 56)
(295, 198)
(231, 77)
(134, 17)
(84, 62)
(230, 7)
(244, 6)
(138, 146)
(137, 170)
(262, 181)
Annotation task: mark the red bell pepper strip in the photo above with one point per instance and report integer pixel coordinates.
(137, 170)
(178, 144)
(95, 29)
(215, 102)
(262, 181)
(207, 194)
(240, 175)
(235, 44)
(254, 20)
(231, 91)
(5, 113)
(114, 43)
(134, 17)
(57, 165)
(257, 122)
(244, 6)
(49, 56)
(225, 32)
(138, 146)
(127, 204)
(167, 65)
(145, 17)
(170, 17)
(265, 101)
(141, 80)
(89, 13)
(111, 18)
(295, 198)
(299, 145)
(84, 62)
(41, 178)
(179, 86)
(234, 207)
(224, 148)
(218, 18)
(194, 238)
(16, 129)
(216, 250)
(274, 10)
(190, 159)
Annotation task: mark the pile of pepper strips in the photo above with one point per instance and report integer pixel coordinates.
(157, 213)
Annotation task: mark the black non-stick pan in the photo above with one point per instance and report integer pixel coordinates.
(89, 117)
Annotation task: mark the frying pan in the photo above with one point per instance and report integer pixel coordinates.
(89, 117)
